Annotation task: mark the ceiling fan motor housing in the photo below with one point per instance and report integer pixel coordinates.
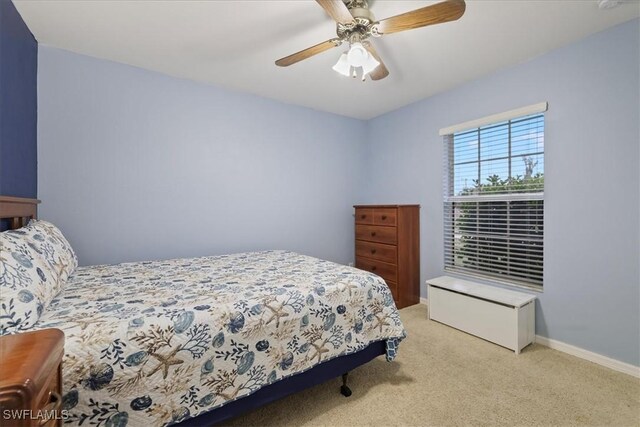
(362, 13)
(363, 21)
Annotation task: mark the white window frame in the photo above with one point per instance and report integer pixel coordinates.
(534, 280)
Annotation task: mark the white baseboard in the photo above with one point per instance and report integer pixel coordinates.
(614, 364)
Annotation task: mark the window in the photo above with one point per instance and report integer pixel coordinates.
(494, 200)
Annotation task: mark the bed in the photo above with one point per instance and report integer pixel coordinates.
(197, 341)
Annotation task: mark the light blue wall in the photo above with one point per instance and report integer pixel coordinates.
(591, 293)
(136, 165)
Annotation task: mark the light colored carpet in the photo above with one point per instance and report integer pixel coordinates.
(444, 377)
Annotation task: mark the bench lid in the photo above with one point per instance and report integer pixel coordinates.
(488, 292)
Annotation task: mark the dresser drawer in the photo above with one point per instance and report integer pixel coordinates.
(375, 233)
(49, 397)
(394, 290)
(378, 251)
(364, 216)
(385, 216)
(383, 269)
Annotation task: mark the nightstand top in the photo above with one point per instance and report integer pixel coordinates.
(28, 358)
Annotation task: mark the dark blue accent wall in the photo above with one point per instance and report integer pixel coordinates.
(18, 105)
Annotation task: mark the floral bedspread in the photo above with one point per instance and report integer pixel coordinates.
(155, 343)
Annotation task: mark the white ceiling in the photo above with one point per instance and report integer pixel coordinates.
(234, 44)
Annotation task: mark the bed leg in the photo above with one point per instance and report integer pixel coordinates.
(344, 390)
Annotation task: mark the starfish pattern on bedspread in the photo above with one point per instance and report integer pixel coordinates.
(155, 343)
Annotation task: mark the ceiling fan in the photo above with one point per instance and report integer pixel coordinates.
(356, 23)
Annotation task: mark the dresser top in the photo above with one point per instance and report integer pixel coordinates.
(385, 206)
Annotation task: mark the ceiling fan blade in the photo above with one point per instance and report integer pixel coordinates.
(439, 13)
(337, 10)
(308, 52)
(380, 72)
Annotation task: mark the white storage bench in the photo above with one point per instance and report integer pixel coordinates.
(502, 316)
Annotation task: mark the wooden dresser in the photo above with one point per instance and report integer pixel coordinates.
(388, 244)
(30, 378)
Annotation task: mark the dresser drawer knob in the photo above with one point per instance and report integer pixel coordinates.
(373, 251)
(54, 404)
(55, 401)
(384, 217)
(373, 268)
(373, 234)
(363, 216)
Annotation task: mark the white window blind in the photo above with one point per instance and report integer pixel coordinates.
(494, 201)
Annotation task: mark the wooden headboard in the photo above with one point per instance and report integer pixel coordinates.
(18, 210)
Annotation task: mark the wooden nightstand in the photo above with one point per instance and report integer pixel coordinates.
(31, 378)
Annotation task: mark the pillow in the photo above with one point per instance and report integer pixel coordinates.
(27, 285)
(47, 240)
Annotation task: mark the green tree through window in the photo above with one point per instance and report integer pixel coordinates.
(494, 226)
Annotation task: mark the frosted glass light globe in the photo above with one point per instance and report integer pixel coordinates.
(357, 55)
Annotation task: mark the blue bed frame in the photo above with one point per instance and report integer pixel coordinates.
(318, 374)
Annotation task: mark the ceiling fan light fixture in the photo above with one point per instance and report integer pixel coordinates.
(342, 66)
(370, 65)
(357, 55)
